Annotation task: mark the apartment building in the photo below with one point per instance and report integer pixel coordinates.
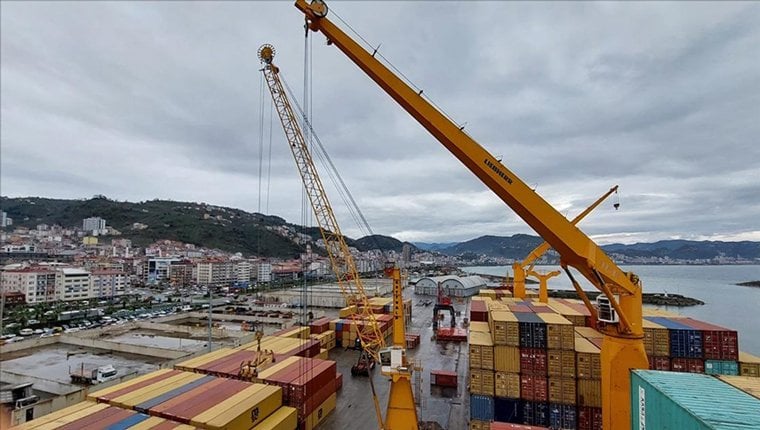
(37, 284)
(108, 283)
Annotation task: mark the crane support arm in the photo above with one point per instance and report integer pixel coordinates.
(576, 249)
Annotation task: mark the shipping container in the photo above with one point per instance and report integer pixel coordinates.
(562, 416)
(721, 367)
(576, 318)
(507, 384)
(659, 363)
(685, 342)
(507, 358)
(656, 339)
(189, 405)
(242, 410)
(508, 410)
(748, 384)
(480, 326)
(478, 311)
(562, 391)
(690, 365)
(560, 363)
(443, 378)
(482, 382)
(536, 413)
(511, 426)
(589, 392)
(589, 418)
(142, 399)
(284, 418)
(532, 331)
(559, 331)
(481, 407)
(718, 343)
(481, 350)
(749, 365)
(588, 362)
(689, 401)
(319, 414)
(505, 328)
(533, 387)
(533, 361)
(479, 425)
(81, 409)
(132, 384)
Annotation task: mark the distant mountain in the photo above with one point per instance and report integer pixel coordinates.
(433, 246)
(377, 241)
(688, 249)
(516, 246)
(228, 229)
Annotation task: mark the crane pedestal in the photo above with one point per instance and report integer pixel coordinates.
(618, 357)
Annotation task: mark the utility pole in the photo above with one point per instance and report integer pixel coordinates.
(209, 318)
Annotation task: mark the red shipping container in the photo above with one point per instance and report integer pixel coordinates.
(533, 361)
(100, 419)
(533, 387)
(443, 378)
(199, 400)
(659, 363)
(478, 311)
(520, 308)
(690, 365)
(161, 408)
(105, 398)
(509, 426)
(308, 405)
(718, 343)
(310, 381)
(319, 326)
(541, 309)
(338, 381)
(589, 418)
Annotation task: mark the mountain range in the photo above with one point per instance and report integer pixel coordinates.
(235, 230)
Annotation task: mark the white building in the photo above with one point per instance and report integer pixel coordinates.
(38, 284)
(108, 283)
(264, 272)
(215, 273)
(73, 284)
(5, 220)
(157, 269)
(96, 225)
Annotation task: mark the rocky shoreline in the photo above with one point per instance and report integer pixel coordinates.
(660, 299)
(749, 284)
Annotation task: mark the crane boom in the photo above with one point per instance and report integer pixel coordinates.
(371, 338)
(623, 347)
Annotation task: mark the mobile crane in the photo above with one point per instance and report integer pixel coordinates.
(401, 412)
(619, 305)
(525, 267)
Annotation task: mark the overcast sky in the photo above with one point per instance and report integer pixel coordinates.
(144, 100)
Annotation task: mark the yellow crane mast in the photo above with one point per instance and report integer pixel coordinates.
(620, 307)
(401, 413)
(522, 268)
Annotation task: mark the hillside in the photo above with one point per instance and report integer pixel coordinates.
(228, 229)
(516, 246)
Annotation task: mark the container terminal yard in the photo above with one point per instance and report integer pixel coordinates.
(393, 358)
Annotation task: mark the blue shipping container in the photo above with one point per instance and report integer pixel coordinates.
(721, 367)
(481, 407)
(128, 422)
(508, 410)
(674, 400)
(685, 341)
(536, 413)
(562, 416)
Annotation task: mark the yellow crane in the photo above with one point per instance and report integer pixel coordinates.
(619, 304)
(401, 412)
(522, 268)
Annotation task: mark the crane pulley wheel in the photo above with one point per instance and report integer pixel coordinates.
(266, 53)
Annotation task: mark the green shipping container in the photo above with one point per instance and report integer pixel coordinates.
(720, 367)
(674, 401)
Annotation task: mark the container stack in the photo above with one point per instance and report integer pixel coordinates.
(346, 328)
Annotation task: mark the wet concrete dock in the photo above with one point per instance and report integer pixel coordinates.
(447, 407)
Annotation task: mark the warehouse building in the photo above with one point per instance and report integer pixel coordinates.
(453, 286)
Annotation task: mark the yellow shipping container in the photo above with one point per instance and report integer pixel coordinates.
(749, 365)
(748, 384)
(285, 418)
(505, 328)
(507, 384)
(656, 312)
(100, 393)
(480, 326)
(561, 363)
(476, 381)
(489, 382)
(588, 364)
(321, 413)
(562, 390)
(88, 407)
(347, 311)
(134, 398)
(576, 318)
(243, 410)
(297, 333)
(269, 371)
(488, 293)
(589, 392)
(559, 332)
(507, 358)
(481, 350)
(193, 363)
(480, 425)
(656, 339)
(322, 354)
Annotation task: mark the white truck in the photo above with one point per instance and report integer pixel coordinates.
(92, 375)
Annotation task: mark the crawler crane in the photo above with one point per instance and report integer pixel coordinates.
(620, 308)
(401, 413)
(525, 267)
